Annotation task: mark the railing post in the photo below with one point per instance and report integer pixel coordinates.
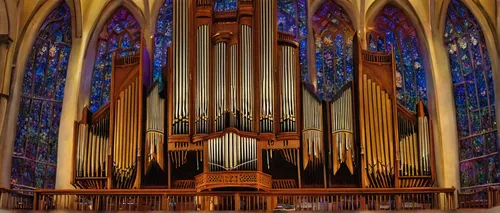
(164, 202)
(363, 203)
(35, 201)
(237, 202)
(399, 203)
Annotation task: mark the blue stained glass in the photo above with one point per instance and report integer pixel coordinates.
(319, 66)
(118, 38)
(225, 5)
(397, 32)
(43, 88)
(163, 40)
(303, 60)
(339, 62)
(334, 33)
(471, 71)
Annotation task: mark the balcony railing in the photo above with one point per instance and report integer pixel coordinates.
(11, 199)
(251, 179)
(336, 199)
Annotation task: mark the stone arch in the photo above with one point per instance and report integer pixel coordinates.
(91, 43)
(24, 42)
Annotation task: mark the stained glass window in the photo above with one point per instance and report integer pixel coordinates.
(121, 35)
(292, 18)
(35, 146)
(225, 5)
(334, 59)
(163, 40)
(474, 98)
(393, 29)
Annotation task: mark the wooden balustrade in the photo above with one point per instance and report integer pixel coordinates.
(480, 198)
(379, 58)
(12, 199)
(336, 199)
(251, 179)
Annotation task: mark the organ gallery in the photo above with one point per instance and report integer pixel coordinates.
(252, 105)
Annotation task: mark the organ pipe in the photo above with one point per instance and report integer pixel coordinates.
(288, 88)
(155, 124)
(247, 80)
(203, 45)
(220, 83)
(342, 118)
(267, 46)
(231, 151)
(180, 66)
(312, 135)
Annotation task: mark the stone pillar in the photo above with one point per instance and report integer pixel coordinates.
(5, 69)
(69, 114)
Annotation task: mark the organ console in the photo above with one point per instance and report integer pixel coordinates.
(234, 108)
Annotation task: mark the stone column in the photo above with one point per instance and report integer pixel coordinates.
(69, 114)
(5, 69)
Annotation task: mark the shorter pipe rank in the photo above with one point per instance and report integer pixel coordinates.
(232, 152)
(342, 131)
(312, 136)
(155, 126)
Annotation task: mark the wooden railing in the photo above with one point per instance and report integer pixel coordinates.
(252, 179)
(375, 57)
(11, 199)
(480, 198)
(336, 199)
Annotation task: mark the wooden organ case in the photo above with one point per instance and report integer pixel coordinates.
(233, 114)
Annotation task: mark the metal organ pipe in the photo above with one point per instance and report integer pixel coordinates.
(126, 143)
(233, 66)
(342, 131)
(288, 88)
(155, 120)
(180, 69)
(312, 135)
(220, 86)
(203, 46)
(232, 152)
(92, 143)
(247, 87)
(267, 21)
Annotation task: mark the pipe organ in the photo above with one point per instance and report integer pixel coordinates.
(342, 122)
(155, 129)
(233, 105)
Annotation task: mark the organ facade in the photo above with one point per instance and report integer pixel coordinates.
(231, 111)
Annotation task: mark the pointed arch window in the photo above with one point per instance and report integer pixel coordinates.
(225, 5)
(393, 29)
(292, 18)
(334, 54)
(163, 40)
(474, 98)
(35, 146)
(121, 35)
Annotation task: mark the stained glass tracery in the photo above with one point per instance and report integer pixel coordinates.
(292, 18)
(163, 40)
(225, 5)
(334, 40)
(474, 98)
(393, 29)
(121, 35)
(35, 146)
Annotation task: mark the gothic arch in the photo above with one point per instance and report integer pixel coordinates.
(90, 45)
(490, 37)
(406, 8)
(348, 6)
(26, 39)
